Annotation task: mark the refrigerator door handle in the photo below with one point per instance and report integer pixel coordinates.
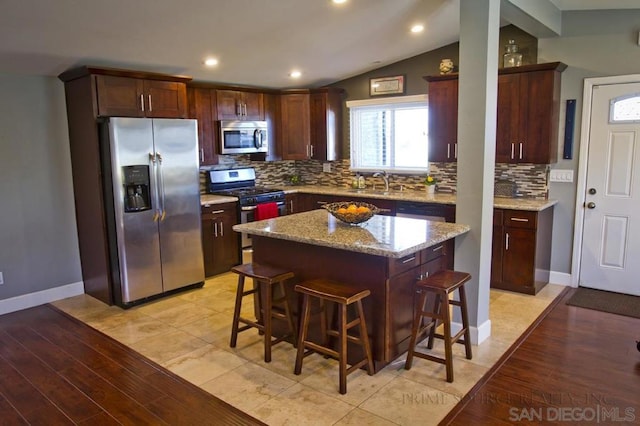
(154, 166)
(163, 212)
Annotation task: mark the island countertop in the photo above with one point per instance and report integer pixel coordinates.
(387, 236)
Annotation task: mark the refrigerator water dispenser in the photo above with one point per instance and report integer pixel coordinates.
(136, 188)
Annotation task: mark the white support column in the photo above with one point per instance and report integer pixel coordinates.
(477, 103)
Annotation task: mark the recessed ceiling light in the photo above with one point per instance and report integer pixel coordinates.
(211, 62)
(339, 1)
(295, 74)
(418, 28)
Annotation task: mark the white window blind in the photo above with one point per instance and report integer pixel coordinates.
(389, 134)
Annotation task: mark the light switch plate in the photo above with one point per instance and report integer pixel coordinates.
(560, 175)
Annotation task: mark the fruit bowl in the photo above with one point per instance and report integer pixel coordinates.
(352, 212)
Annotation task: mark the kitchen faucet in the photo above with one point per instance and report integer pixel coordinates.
(385, 177)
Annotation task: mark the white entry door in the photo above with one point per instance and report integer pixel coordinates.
(611, 234)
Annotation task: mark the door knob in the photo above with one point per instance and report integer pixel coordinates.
(592, 191)
(591, 205)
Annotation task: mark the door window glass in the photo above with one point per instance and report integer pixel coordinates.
(625, 109)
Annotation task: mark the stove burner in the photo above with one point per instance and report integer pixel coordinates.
(250, 196)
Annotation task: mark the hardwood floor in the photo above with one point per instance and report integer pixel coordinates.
(56, 370)
(573, 365)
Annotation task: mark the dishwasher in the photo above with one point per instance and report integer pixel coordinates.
(416, 210)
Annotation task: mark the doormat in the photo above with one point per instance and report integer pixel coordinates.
(606, 301)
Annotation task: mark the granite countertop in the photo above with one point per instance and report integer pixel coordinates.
(531, 204)
(206, 199)
(387, 236)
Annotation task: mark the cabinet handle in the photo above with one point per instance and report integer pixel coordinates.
(521, 150)
(437, 248)
(448, 150)
(291, 206)
(455, 150)
(217, 211)
(215, 229)
(142, 102)
(518, 219)
(202, 155)
(311, 151)
(308, 151)
(150, 106)
(512, 151)
(244, 109)
(506, 243)
(322, 203)
(411, 259)
(221, 229)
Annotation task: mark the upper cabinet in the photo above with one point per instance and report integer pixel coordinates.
(326, 123)
(527, 115)
(443, 118)
(202, 107)
(239, 105)
(121, 93)
(295, 134)
(311, 124)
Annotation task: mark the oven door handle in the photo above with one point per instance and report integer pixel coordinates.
(251, 208)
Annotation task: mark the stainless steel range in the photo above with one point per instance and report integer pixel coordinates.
(241, 183)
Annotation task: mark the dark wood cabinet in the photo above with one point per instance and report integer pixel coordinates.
(403, 275)
(521, 252)
(293, 203)
(112, 92)
(311, 124)
(220, 244)
(134, 97)
(326, 124)
(202, 107)
(528, 114)
(443, 118)
(295, 126)
(528, 108)
(239, 105)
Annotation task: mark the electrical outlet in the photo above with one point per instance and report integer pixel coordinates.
(1, 279)
(326, 167)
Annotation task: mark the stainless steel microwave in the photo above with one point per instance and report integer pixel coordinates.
(243, 137)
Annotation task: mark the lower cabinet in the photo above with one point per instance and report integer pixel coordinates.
(292, 202)
(403, 275)
(220, 243)
(521, 252)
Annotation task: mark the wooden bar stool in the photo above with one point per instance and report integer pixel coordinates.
(265, 279)
(343, 296)
(441, 284)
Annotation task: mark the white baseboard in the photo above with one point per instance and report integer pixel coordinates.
(561, 278)
(478, 334)
(30, 300)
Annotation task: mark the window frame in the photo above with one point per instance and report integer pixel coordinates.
(377, 103)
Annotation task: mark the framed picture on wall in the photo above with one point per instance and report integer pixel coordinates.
(387, 86)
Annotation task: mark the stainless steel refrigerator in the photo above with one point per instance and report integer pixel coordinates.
(152, 206)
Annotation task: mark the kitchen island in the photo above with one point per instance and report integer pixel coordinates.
(385, 255)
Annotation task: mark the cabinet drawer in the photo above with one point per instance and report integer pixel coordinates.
(520, 219)
(398, 266)
(210, 210)
(433, 252)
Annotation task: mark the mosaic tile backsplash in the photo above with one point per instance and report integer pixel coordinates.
(531, 179)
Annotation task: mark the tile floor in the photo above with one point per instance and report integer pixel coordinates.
(188, 333)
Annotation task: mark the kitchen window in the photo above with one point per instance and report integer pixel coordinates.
(389, 134)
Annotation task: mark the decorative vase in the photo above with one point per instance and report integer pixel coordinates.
(446, 66)
(431, 189)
